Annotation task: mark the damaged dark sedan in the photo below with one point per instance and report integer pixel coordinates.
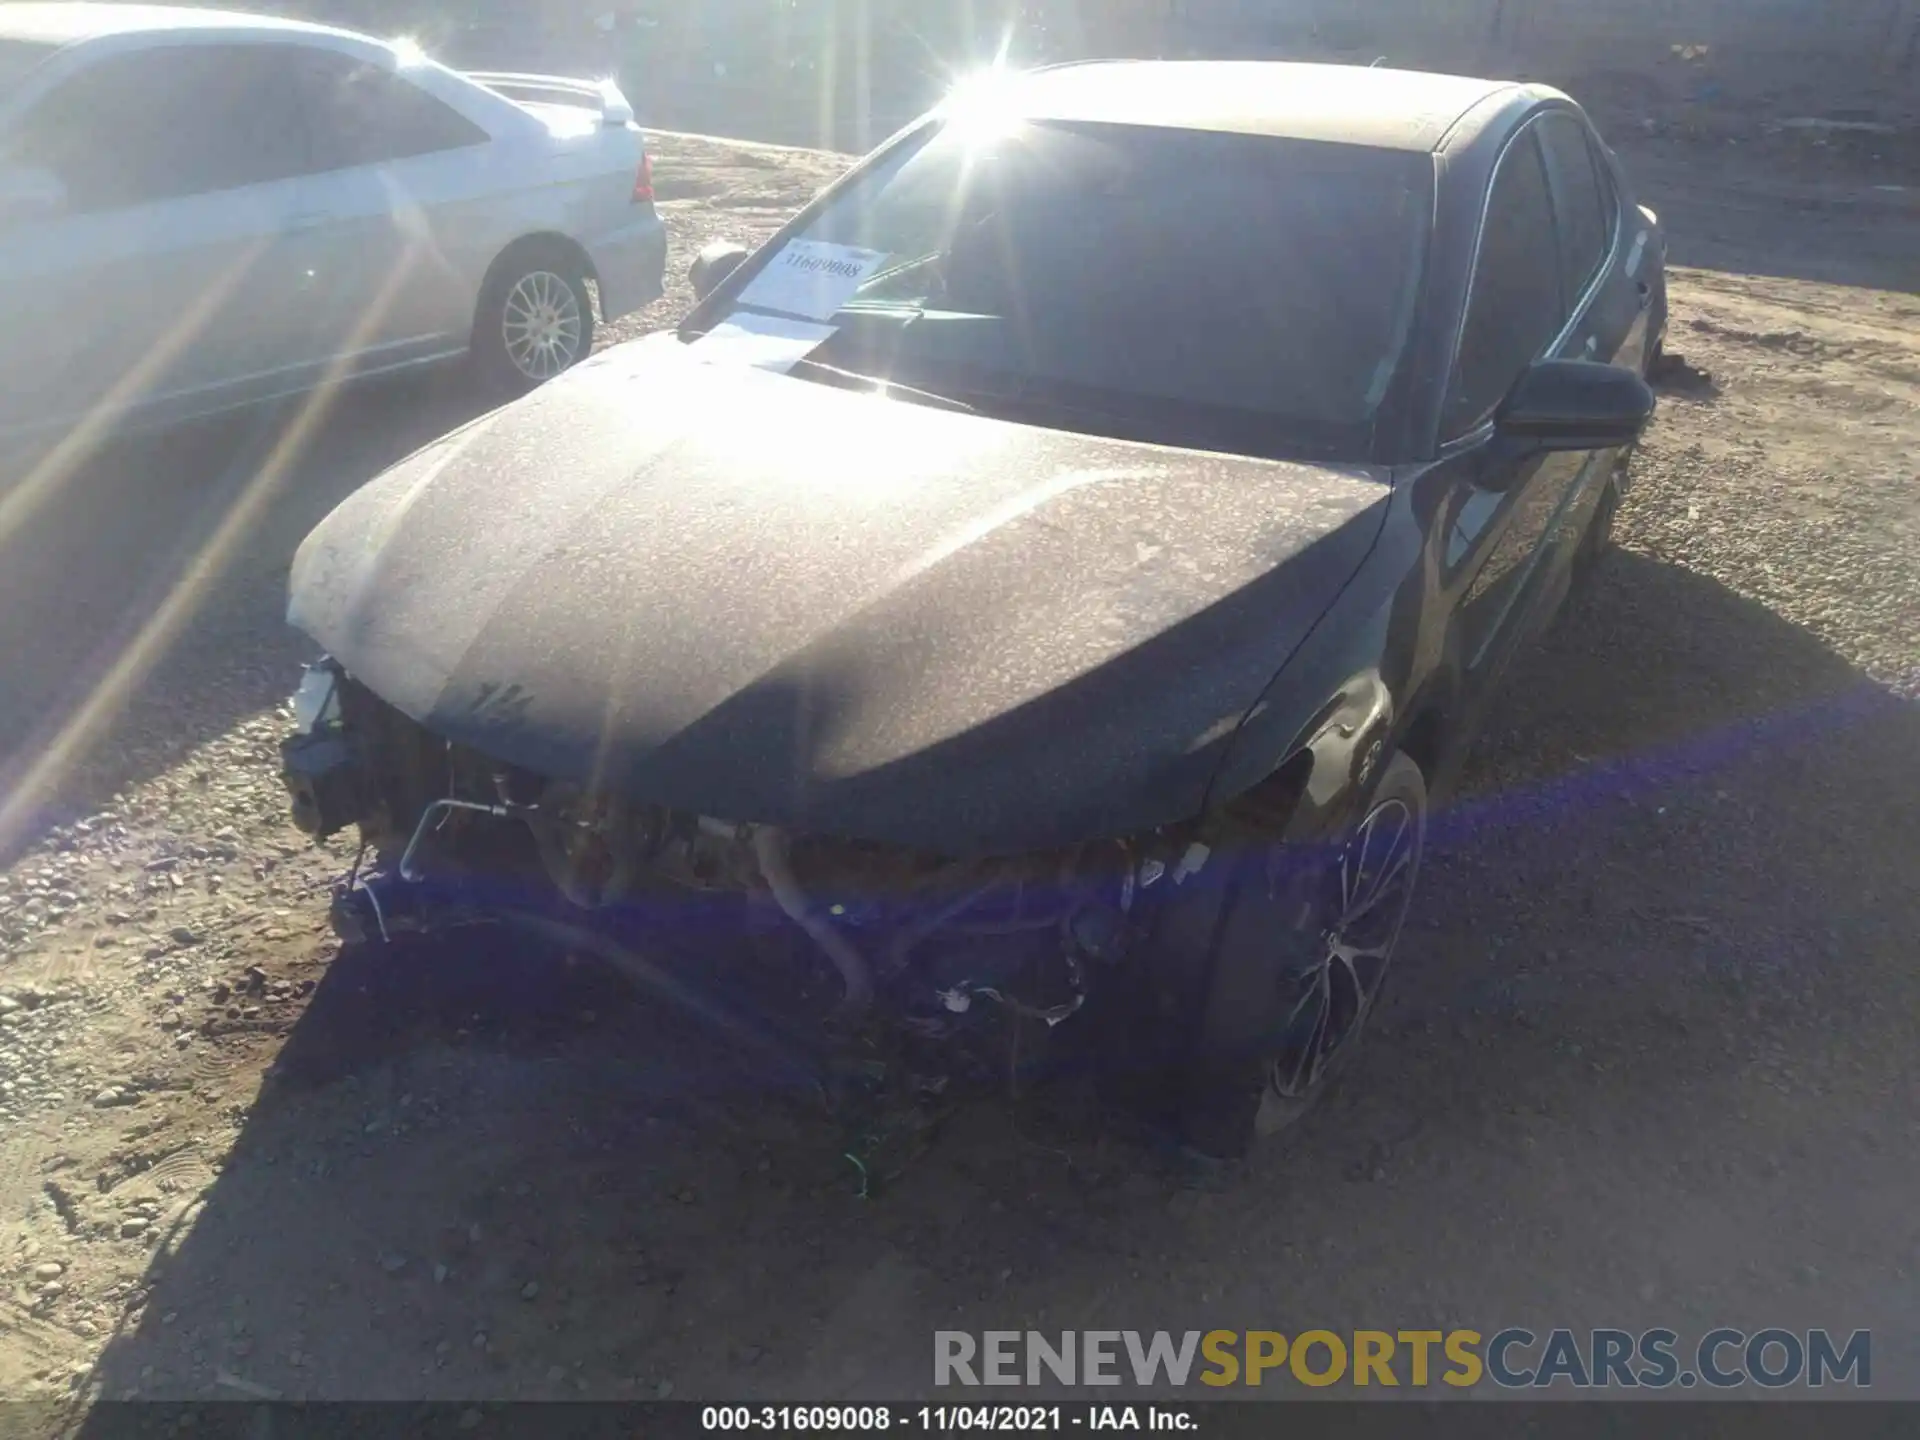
(1042, 588)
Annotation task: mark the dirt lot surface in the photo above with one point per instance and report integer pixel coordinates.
(1650, 1063)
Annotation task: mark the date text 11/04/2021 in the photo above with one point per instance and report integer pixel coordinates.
(940, 1418)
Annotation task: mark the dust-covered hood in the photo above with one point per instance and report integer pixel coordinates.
(753, 596)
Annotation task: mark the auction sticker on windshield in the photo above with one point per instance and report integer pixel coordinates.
(811, 278)
(767, 342)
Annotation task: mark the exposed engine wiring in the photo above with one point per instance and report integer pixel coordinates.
(771, 852)
(907, 937)
(871, 910)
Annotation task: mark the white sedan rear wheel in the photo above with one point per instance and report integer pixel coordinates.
(535, 320)
(541, 325)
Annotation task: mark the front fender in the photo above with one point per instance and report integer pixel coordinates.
(1340, 700)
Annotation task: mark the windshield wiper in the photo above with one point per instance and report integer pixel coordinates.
(902, 310)
(905, 267)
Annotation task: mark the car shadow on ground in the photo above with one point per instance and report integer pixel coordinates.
(90, 562)
(1657, 974)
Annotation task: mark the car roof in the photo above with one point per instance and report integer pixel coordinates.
(1348, 104)
(70, 21)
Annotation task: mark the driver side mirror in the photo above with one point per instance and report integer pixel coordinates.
(1575, 405)
(30, 193)
(712, 265)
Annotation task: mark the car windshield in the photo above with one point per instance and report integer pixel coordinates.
(1219, 290)
(17, 57)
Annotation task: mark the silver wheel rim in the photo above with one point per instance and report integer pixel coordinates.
(540, 325)
(1372, 886)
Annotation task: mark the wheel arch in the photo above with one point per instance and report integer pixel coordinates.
(1332, 756)
(533, 243)
(1339, 750)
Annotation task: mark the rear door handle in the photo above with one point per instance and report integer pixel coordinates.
(313, 220)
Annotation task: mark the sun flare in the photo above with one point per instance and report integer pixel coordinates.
(984, 104)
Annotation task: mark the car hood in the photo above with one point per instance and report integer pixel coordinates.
(755, 597)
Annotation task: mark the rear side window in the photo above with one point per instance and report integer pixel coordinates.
(164, 123)
(363, 114)
(1582, 201)
(1515, 308)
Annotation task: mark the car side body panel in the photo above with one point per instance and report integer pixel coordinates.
(1405, 647)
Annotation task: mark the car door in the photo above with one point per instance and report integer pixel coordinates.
(148, 286)
(1606, 305)
(378, 278)
(1497, 507)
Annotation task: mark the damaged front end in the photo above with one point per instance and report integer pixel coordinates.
(869, 936)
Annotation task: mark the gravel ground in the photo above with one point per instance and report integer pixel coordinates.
(1650, 1061)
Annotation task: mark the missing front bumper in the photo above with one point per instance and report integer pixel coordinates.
(319, 764)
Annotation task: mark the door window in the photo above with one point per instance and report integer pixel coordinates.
(363, 114)
(1515, 308)
(164, 123)
(180, 120)
(1582, 208)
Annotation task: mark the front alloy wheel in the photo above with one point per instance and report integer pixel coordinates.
(1367, 891)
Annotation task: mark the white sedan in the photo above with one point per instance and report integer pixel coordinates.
(200, 210)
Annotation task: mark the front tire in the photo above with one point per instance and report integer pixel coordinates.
(535, 320)
(1304, 948)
